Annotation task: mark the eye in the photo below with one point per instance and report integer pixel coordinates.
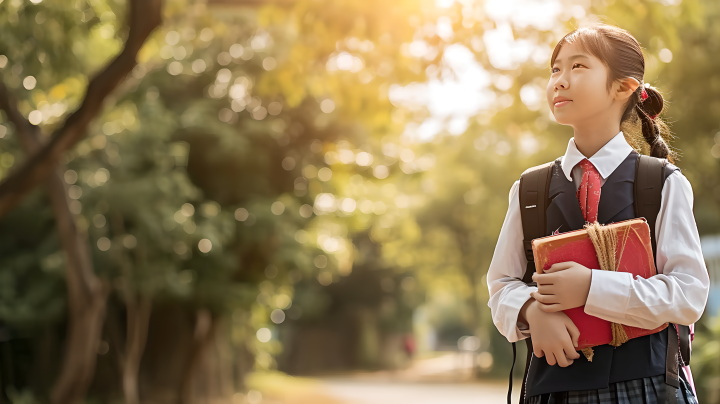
(577, 64)
(553, 69)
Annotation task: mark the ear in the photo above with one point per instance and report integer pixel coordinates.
(625, 88)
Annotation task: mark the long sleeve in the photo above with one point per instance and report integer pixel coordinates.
(679, 292)
(507, 291)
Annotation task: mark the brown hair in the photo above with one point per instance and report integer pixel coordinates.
(623, 56)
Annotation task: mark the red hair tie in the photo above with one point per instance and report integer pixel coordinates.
(644, 94)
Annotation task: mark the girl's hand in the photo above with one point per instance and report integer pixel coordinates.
(563, 286)
(554, 335)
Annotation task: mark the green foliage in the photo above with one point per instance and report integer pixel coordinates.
(705, 366)
(31, 280)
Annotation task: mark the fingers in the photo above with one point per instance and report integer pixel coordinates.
(538, 352)
(544, 279)
(544, 299)
(559, 266)
(548, 303)
(551, 308)
(569, 349)
(546, 289)
(574, 332)
(558, 356)
(550, 359)
(561, 359)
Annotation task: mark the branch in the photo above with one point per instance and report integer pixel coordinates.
(27, 133)
(80, 276)
(144, 17)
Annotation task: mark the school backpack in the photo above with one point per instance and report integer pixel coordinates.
(647, 189)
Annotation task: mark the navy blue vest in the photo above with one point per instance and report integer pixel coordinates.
(637, 358)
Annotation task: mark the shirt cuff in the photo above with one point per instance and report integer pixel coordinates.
(523, 329)
(513, 303)
(609, 294)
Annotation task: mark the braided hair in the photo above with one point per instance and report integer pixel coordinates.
(647, 109)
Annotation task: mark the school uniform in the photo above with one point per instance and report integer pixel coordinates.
(633, 372)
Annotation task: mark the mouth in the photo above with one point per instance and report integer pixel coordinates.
(562, 103)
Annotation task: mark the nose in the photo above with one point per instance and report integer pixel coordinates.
(562, 83)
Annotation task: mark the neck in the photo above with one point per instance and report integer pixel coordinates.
(591, 136)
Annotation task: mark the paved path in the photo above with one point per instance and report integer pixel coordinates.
(353, 391)
(445, 379)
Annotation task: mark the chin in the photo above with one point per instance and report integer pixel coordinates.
(562, 120)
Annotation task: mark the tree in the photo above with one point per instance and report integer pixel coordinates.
(86, 292)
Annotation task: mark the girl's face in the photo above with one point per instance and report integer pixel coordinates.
(577, 89)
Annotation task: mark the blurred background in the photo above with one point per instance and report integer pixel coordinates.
(295, 201)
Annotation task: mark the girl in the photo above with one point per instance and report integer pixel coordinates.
(596, 86)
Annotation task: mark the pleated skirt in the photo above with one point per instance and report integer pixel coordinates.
(648, 390)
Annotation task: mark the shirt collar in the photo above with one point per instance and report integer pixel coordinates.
(606, 160)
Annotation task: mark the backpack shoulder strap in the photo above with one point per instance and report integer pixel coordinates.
(649, 181)
(650, 176)
(534, 184)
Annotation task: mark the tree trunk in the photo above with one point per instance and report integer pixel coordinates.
(138, 320)
(83, 338)
(205, 328)
(138, 309)
(87, 295)
(224, 353)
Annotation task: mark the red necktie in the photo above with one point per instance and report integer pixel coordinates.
(588, 193)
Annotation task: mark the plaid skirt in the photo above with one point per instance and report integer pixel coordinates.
(648, 390)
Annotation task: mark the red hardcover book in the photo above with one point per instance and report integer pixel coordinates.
(634, 251)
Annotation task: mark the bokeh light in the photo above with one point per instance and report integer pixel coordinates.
(205, 245)
(103, 243)
(264, 334)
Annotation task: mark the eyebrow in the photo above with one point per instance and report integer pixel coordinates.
(572, 57)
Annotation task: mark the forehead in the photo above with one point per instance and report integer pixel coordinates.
(571, 52)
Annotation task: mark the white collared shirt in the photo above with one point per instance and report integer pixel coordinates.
(677, 294)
